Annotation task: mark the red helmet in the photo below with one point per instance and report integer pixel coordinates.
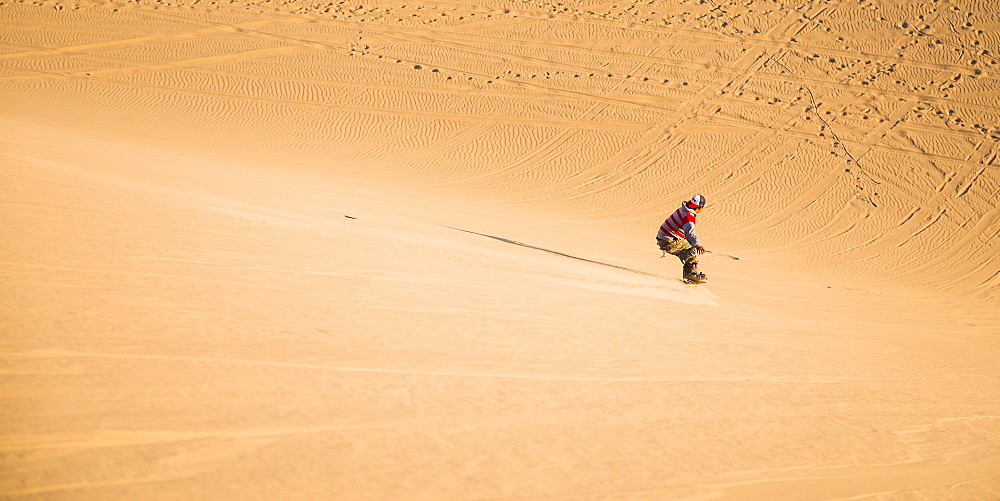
(696, 202)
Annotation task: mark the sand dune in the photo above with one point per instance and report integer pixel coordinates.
(405, 251)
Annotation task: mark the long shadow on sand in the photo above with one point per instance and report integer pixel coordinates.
(550, 251)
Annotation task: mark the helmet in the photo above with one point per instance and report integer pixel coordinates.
(696, 202)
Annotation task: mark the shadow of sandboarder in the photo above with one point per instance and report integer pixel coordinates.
(550, 251)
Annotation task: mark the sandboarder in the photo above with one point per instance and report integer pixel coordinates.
(676, 236)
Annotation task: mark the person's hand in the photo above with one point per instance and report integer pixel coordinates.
(701, 250)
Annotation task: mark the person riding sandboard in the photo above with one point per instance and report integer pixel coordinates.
(677, 236)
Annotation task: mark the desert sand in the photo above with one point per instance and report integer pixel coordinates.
(405, 250)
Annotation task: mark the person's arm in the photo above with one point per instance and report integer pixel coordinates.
(692, 237)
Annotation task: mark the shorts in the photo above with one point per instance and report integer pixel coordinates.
(680, 248)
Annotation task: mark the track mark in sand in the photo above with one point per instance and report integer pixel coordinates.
(394, 112)
(550, 251)
(985, 229)
(77, 486)
(595, 109)
(872, 137)
(145, 437)
(290, 45)
(658, 289)
(552, 147)
(927, 428)
(214, 29)
(486, 374)
(212, 446)
(199, 61)
(466, 47)
(556, 144)
(645, 152)
(760, 147)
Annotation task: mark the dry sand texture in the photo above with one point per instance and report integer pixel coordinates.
(294, 250)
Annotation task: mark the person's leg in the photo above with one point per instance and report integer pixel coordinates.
(674, 247)
(687, 254)
(690, 260)
(689, 257)
(664, 245)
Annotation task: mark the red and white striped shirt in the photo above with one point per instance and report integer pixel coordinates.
(680, 224)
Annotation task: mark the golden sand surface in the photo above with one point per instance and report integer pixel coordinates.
(404, 250)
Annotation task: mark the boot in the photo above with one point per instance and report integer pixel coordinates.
(692, 275)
